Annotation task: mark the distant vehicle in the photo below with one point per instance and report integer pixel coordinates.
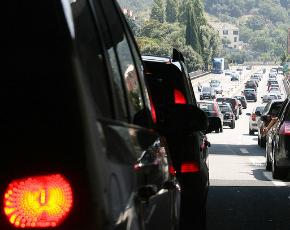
(218, 65)
(233, 102)
(240, 70)
(269, 97)
(243, 101)
(248, 67)
(207, 92)
(229, 116)
(251, 84)
(212, 110)
(250, 94)
(235, 76)
(254, 117)
(217, 87)
(256, 77)
(228, 72)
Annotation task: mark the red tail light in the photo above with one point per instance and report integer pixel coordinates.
(189, 167)
(285, 129)
(254, 116)
(179, 97)
(172, 170)
(153, 111)
(38, 202)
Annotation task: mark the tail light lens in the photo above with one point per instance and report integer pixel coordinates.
(38, 202)
(254, 116)
(153, 111)
(285, 129)
(189, 167)
(179, 97)
(172, 170)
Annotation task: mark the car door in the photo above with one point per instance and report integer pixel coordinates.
(139, 161)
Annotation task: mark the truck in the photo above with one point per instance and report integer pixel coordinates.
(218, 65)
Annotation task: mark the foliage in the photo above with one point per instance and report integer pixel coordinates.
(265, 27)
(171, 11)
(158, 11)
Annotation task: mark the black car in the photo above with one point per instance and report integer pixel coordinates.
(213, 112)
(250, 94)
(278, 143)
(81, 147)
(169, 84)
(251, 84)
(228, 115)
(233, 102)
(243, 101)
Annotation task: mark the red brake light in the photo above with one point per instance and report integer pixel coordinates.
(153, 111)
(285, 129)
(189, 167)
(179, 97)
(172, 170)
(38, 202)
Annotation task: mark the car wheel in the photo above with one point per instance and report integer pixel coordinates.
(217, 130)
(268, 162)
(251, 132)
(263, 142)
(277, 172)
(259, 141)
(233, 125)
(221, 129)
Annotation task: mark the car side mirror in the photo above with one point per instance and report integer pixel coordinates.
(181, 119)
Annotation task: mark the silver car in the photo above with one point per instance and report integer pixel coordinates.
(254, 117)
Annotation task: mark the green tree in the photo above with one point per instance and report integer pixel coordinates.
(171, 10)
(158, 11)
(192, 31)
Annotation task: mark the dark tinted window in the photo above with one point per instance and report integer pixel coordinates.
(92, 59)
(275, 108)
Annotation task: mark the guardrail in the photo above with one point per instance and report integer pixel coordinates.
(197, 74)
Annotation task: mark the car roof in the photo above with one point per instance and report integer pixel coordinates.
(165, 60)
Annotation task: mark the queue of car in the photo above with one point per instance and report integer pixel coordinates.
(276, 141)
(89, 142)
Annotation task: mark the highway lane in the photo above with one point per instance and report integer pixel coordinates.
(243, 195)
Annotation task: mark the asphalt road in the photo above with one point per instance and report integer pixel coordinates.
(243, 195)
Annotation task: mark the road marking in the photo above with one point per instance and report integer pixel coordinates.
(257, 163)
(268, 175)
(243, 150)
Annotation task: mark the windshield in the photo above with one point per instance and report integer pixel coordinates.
(225, 108)
(206, 89)
(206, 106)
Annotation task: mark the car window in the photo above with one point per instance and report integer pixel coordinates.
(206, 106)
(275, 108)
(92, 59)
(206, 89)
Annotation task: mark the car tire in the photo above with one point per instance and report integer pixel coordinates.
(268, 162)
(233, 125)
(277, 173)
(251, 132)
(217, 130)
(263, 142)
(259, 141)
(221, 129)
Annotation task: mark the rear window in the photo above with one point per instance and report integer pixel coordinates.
(206, 89)
(206, 106)
(260, 109)
(225, 108)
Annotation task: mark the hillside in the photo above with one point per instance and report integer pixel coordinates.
(262, 23)
(140, 8)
